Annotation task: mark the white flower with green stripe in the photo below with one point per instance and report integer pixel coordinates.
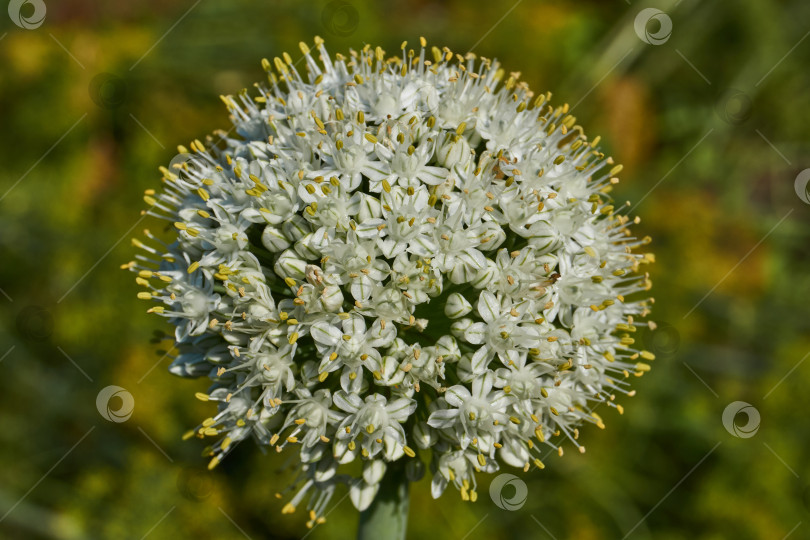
(408, 257)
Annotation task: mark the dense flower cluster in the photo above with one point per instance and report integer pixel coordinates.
(397, 258)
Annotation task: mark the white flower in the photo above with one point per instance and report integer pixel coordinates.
(459, 467)
(352, 347)
(397, 253)
(375, 423)
(311, 416)
(475, 417)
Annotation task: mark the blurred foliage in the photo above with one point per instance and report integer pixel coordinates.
(710, 125)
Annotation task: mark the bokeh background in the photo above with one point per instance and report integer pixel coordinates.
(704, 102)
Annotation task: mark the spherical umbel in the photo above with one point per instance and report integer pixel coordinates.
(397, 258)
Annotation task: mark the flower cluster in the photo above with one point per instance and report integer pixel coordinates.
(409, 258)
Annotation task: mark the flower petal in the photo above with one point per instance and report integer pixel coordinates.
(488, 306)
(457, 395)
(443, 418)
(324, 333)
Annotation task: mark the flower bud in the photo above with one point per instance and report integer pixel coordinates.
(457, 306)
(454, 152)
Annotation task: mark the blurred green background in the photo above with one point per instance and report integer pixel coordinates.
(710, 122)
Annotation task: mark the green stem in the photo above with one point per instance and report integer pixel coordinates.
(387, 517)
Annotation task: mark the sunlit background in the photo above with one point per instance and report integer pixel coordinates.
(704, 102)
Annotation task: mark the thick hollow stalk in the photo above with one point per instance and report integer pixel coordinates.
(387, 516)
